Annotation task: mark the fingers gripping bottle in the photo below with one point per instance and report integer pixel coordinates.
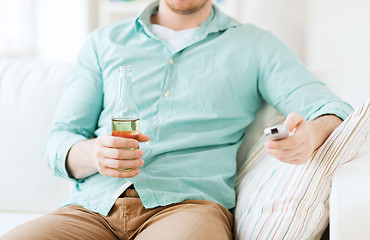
(125, 116)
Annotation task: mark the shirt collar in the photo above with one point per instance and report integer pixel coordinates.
(216, 22)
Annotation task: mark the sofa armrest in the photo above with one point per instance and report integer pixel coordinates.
(350, 198)
(10, 220)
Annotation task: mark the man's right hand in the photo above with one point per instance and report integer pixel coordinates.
(106, 158)
(109, 157)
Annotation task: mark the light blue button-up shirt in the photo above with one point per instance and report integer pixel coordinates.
(194, 104)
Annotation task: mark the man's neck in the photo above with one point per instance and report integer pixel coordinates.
(177, 21)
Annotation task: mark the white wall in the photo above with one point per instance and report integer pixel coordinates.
(337, 39)
(284, 18)
(16, 28)
(61, 28)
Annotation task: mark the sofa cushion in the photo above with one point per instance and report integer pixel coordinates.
(29, 93)
(283, 201)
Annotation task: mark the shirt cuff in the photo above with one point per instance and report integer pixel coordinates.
(61, 148)
(339, 109)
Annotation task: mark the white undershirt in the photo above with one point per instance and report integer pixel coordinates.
(175, 38)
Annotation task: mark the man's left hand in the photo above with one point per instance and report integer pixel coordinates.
(297, 148)
(305, 139)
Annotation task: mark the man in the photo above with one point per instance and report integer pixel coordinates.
(199, 78)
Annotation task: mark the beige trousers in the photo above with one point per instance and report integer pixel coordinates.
(128, 219)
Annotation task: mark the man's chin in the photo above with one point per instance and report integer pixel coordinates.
(183, 7)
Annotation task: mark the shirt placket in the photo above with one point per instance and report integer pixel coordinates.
(166, 97)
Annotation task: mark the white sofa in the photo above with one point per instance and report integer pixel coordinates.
(29, 93)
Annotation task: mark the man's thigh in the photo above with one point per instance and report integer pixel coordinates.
(192, 219)
(71, 222)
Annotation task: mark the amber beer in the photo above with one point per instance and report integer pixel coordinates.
(125, 127)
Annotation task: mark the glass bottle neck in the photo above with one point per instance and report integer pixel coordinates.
(125, 84)
(125, 106)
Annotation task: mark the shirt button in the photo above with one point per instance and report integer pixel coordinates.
(166, 94)
(170, 61)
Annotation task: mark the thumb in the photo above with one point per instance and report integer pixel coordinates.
(143, 137)
(292, 121)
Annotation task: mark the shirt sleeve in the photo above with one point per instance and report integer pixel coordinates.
(77, 114)
(287, 85)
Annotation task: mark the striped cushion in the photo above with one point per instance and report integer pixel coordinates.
(282, 201)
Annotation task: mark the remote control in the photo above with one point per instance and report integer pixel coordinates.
(277, 132)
